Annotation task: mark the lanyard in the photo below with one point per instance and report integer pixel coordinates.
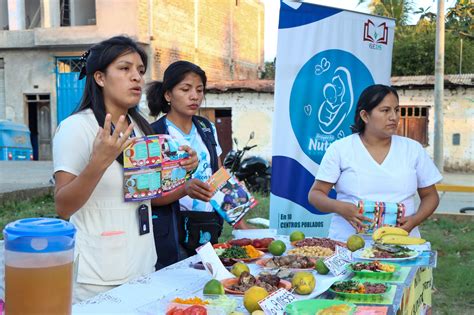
(112, 128)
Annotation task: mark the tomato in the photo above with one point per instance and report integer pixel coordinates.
(195, 310)
(175, 311)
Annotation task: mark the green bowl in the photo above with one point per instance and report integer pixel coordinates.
(363, 296)
(309, 307)
(374, 274)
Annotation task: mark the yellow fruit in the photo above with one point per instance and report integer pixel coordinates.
(296, 236)
(238, 268)
(303, 282)
(400, 240)
(355, 242)
(321, 267)
(213, 287)
(259, 312)
(252, 296)
(277, 248)
(388, 230)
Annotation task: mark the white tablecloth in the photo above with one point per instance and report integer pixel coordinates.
(152, 294)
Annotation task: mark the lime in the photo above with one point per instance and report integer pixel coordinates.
(321, 267)
(355, 242)
(213, 287)
(296, 236)
(277, 248)
(238, 268)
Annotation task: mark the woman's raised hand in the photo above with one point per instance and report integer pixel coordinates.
(108, 146)
(350, 212)
(192, 162)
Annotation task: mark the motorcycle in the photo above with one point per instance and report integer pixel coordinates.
(254, 171)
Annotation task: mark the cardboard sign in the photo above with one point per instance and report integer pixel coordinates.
(337, 263)
(275, 303)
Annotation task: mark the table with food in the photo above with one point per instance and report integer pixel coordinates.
(387, 273)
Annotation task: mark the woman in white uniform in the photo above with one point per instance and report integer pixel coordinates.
(375, 164)
(114, 242)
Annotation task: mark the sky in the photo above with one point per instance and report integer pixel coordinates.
(272, 11)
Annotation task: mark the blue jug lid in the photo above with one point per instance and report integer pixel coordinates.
(58, 233)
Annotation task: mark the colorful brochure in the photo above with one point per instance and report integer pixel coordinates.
(231, 198)
(152, 167)
(382, 214)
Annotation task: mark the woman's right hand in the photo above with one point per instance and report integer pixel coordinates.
(197, 189)
(108, 146)
(350, 212)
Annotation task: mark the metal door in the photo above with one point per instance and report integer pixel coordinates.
(44, 132)
(69, 88)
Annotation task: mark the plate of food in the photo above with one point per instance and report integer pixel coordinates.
(320, 307)
(233, 254)
(259, 243)
(373, 269)
(241, 284)
(292, 262)
(386, 253)
(318, 241)
(311, 251)
(358, 290)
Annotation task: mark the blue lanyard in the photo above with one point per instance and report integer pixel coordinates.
(112, 128)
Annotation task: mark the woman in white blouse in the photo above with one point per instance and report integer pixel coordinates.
(114, 240)
(375, 164)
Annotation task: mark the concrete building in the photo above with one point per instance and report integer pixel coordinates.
(41, 42)
(252, 105)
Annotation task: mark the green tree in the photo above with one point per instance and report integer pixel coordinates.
(397, 9)
(268, 72)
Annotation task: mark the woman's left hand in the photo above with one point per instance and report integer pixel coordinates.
(192, 162)
(409, 223)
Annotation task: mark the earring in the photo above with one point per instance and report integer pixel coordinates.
(169, 104)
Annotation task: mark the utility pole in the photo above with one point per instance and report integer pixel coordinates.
(439, 88)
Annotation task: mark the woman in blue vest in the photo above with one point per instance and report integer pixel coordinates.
(185, 219)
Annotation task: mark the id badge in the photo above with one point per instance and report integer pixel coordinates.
(143, 220)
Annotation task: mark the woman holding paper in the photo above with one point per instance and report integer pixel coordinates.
(375, 164)
(113, 237)
(185, 219)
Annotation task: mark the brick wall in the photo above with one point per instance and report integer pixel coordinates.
(224, 37)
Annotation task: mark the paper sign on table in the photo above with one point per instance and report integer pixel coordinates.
(275, 303)
(212, 263)
(337, 263)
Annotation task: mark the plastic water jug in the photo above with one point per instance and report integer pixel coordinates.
(39, 254)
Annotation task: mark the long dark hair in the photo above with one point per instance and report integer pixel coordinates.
(98, 58)
(174, 74)
(370, 98)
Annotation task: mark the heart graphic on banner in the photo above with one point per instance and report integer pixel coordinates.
(308, 109)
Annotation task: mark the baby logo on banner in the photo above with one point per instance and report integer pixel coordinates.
(325, 58)
(324, 112)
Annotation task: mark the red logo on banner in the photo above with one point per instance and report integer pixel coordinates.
(375, 34)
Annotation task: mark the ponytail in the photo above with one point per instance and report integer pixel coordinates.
(155, 97)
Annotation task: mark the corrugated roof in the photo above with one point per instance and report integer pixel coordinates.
(429, 80)
(268, 86)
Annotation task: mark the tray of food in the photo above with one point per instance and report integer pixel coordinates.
(311, 251)
(320, 307)
(318, 241)
(245, 253)
(360, 290)
(292, 262)
(375, 269)
(259, 243)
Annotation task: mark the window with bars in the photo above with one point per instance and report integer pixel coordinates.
(67, 65)
(414, 123)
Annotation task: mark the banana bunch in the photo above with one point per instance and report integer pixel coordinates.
(395, 236)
